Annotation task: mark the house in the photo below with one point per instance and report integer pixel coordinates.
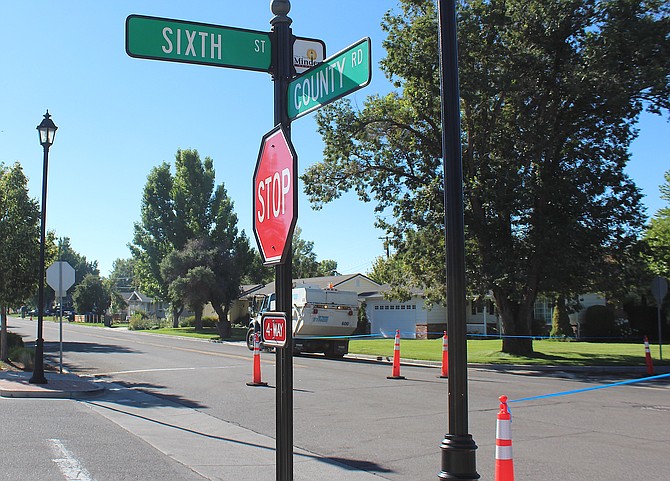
(413, 318)
(239, 309)
(416, 319)
(138, 302)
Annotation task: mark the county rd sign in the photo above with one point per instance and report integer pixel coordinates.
(275, 196)
(337, 76)
(200, 43)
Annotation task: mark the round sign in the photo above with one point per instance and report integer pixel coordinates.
(275, 196)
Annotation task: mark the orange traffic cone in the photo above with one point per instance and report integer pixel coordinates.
(504, 462)
(256, 379)
(647, 354)
(395, 373)
(445, 356)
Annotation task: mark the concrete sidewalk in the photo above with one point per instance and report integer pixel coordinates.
(215, 449)
(63, 386)
(212, 447)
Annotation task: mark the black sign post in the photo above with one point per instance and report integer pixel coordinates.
(282, 61)
(458, 447)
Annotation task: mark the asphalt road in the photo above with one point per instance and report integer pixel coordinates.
(345, 412)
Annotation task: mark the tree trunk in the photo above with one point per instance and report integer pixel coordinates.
(4, 346)
(516, 323)
(198, 318)
(223, 325)
(176, 312)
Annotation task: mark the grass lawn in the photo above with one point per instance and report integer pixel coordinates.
(237, 333)
(547, 352)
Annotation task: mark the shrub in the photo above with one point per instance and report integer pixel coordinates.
(140, 322)
(190, 321)
(599, 322)
(24, 356)
(14, 340)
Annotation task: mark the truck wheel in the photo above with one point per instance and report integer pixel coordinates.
(250, 338)
(331, 352)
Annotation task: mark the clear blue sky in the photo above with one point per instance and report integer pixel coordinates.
(118, 117)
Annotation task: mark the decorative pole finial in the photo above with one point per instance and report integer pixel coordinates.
(280, 7)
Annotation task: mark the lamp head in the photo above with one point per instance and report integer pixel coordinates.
(47, 130)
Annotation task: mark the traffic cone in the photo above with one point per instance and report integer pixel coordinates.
(504, 462)
(395, 373)
(445, 356)
(647, 354)
(256, 379)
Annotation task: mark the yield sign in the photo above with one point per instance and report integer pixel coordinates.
(275, 196)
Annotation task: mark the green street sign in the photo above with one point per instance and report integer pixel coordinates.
(339, 75)
(199, 43)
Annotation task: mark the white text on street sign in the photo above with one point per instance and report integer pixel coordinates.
(199, 43)
(339, 75)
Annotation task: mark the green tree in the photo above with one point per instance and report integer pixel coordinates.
(657, 235)
(154, 236)
(174, 209)
(91, 295)
(387, 270)
(327, 267)
(304, 263)
(82, 267)
(186, 224)
(233, 259)
(189, 276)
(550, 93)
(560, 321)
(123, 274)
(257, 273)
(19, 238)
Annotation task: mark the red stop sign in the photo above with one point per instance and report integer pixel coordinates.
(275, 196)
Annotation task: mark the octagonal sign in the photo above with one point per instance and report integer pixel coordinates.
(275, 196)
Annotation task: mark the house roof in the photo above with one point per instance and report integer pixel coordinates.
(321, 282)
(383, 289)
(138, 296)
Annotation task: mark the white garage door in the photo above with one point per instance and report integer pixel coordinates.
(387, 318)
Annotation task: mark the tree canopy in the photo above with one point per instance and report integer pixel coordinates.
(657, 235)
(186, 247)
(550, 94)
(91, 295)
(304, 263)
(19, 238)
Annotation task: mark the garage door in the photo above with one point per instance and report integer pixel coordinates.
(387, 318)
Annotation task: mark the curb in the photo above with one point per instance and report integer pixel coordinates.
(60, 386)
(518, 367)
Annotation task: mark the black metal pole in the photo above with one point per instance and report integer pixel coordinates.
(458, 447)
(38, 369)
(282, 53)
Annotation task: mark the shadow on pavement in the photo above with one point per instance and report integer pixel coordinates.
(357, 464)
(348, 464)
(86, 347)
(155, 397)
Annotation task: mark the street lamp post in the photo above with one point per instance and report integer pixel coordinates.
(47, 130)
